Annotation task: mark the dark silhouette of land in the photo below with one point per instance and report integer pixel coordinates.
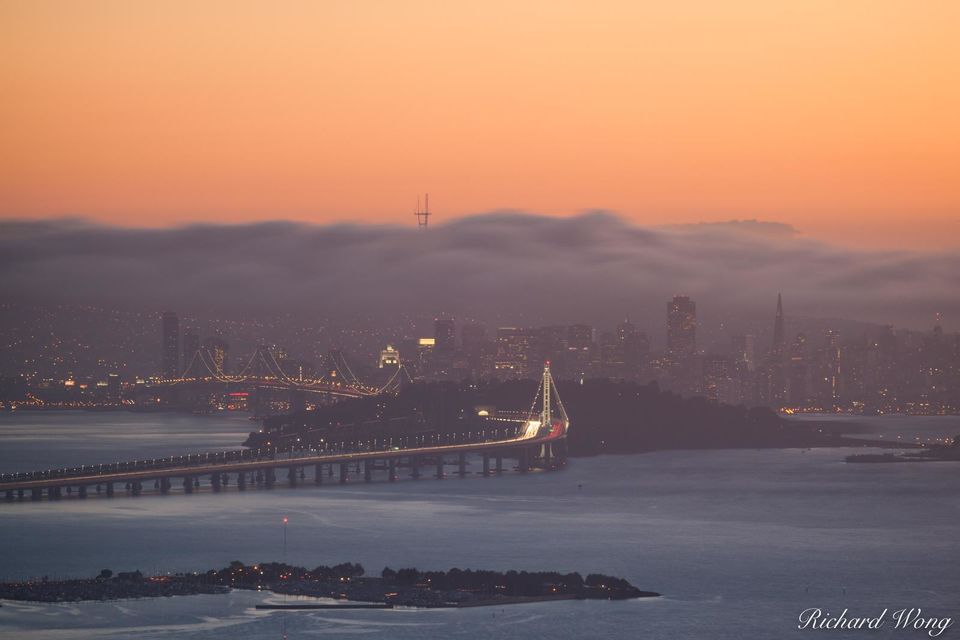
(606, 417)
(404, 587)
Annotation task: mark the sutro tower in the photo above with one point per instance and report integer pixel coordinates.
(423, 216)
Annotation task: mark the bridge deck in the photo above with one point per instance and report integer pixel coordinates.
(531, 436)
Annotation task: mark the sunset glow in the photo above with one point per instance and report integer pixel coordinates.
(839, 118)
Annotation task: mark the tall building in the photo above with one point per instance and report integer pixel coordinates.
(718, 385)
(635, 348)
(798, 372)
(579, 350)
(625, 330)
(681, 329)
(612, 362)
(426, 356)
(779, 340)
(444, 332)
(478, 351)
(552, 347)
(473, 336)
(113, 387)
(827, 380)
(744, 368)
(776, 369)
(743, 352)
(514, 352)
(170, 347)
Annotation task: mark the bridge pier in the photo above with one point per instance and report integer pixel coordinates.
(188, 485)
(367, 470)
(136, 487)
(82, 491)
(269, 476)
(415, 468)
(164, 486)
(393, 469)
(318, 474)
(9, 495)
(486, 465)
(108, 488)
(523, 462)
(499, 464)
(36, 494)
(242, 481)
(357, 471)
(439, 474)
(19, 494)
(546, 454)
(462, 463)
(215, 482)
(344, 469)
(292, 476)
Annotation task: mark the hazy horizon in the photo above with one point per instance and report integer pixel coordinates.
(594, 267)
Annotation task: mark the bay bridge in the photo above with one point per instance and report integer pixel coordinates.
(263, 380)
(536, 440)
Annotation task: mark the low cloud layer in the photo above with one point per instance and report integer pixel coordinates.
(500, 266)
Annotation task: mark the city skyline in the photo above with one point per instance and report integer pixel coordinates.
(820, 366)
(834, 118)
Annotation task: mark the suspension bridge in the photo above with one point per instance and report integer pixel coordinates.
(263, 379)
(537, 440)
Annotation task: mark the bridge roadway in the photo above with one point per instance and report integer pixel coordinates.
(533, 435)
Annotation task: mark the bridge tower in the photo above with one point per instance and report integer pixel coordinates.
(548, 454)
(547, 383)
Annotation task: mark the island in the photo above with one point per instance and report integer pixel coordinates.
(345, 582)
(607, 416)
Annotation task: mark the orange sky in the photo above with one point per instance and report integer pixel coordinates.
(840, 117)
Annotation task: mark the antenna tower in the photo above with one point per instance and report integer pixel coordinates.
(423, 216)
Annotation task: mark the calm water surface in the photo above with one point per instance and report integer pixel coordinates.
(738, 541)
